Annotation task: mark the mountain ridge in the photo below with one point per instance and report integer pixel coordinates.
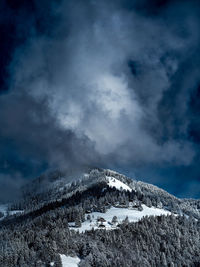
(61, 190)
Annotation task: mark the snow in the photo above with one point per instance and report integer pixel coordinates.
(68, 261)
(134, 215)
(4, 210)
(113, 182)
(12, 212)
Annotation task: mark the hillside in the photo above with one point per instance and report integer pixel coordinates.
(102, 218)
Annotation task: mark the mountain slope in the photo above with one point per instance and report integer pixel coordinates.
(43, 192)
(102, 218)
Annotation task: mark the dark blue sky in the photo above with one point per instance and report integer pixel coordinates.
(114, 84)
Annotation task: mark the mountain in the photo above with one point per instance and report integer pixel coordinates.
(102, 218)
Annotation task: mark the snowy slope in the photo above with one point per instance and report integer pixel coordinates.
(61, 187)
(134, 215)
(68, 261)
(113, 182)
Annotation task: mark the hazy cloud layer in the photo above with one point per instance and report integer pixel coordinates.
(104, 82)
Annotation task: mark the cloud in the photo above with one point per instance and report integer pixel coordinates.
(104, 83)
(10, 187)
(31, 130)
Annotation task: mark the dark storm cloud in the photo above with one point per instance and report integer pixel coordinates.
(103, 82)
(28, 127)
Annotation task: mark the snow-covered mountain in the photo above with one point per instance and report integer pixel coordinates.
(89, 221)
(56, 186)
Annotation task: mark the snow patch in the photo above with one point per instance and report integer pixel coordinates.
(134, 215)
(5, 211)
(12, 212)
(113, 182)
(68, 261)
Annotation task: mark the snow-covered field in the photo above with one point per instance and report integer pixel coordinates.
(68, 261)
(121, 213)
(113, 182)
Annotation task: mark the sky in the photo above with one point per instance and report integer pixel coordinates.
(113, 84)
